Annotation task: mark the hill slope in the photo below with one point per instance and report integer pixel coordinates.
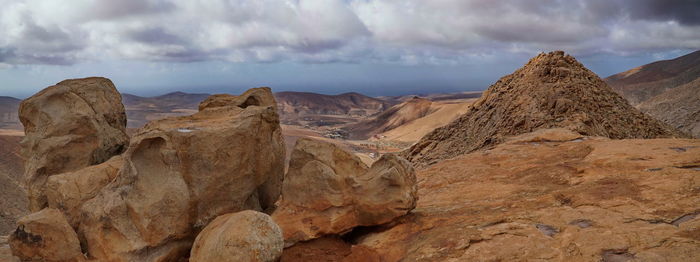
(393, 117)
(644, 82)
(294, 105)
(678, 107)
(13, 196)
(442, 114)
(8, 112)
(141, 110)
(551, 90)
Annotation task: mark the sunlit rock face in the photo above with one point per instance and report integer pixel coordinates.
(180, 173)
(329, 191)
(71, 125)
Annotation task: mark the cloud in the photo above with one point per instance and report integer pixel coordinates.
(684, 12)
(336, 31)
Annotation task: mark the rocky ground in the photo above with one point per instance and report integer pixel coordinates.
(551, 195)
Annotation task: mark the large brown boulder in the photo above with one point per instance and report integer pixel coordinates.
(328, 190)
(45, 236)
(243, 236)
(71, 125)
(180, 173)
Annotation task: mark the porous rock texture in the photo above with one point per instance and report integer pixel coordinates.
(328, 190)
(551, 90)
(553, 195)
(180, 173)
(45, 236)
(71, 125)
(243, 236)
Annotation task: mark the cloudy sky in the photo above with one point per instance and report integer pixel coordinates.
(379, 47)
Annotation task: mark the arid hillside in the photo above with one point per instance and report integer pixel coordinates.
(667, 90)
(551, 90)
(678, 107)
(391, 118)
(8, 112)
(409, 120)
(13, 195)
(642, 83)
(141, 110)
(302, 108)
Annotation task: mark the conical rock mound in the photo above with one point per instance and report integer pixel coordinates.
(551, 90)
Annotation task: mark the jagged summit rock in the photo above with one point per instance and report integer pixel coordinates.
(71, 125)
(552, 90)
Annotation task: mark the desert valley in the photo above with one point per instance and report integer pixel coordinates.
(550, 162)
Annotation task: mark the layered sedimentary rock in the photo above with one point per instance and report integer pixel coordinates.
(243, 236)
(330, 191)
(552, 90)
(71, 125)
(45, 236)
(180, 173)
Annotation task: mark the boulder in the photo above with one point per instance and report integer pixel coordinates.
(243, 236)
(180, 173)
(45, 236)
(68, 191)
(71, 125)
(329, 191)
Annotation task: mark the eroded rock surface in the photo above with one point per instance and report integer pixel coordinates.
(328, 190)
(552, 90)
(68, 191)
(71, 125)
(554, 195)
(243, 236)
(180, 173)
(45, 236)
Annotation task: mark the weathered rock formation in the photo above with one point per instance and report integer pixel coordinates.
(243, 236)
(176, 176)
(181, 173)
(71, 125)
(45, 236)
(552, 195)
(330, 191)
(551, 90)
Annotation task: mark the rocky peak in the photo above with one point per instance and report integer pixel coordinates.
(552, 90)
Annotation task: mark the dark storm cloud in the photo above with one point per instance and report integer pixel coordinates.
(11, 56)
(112, 9)
(156, 35)
(682, 11)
